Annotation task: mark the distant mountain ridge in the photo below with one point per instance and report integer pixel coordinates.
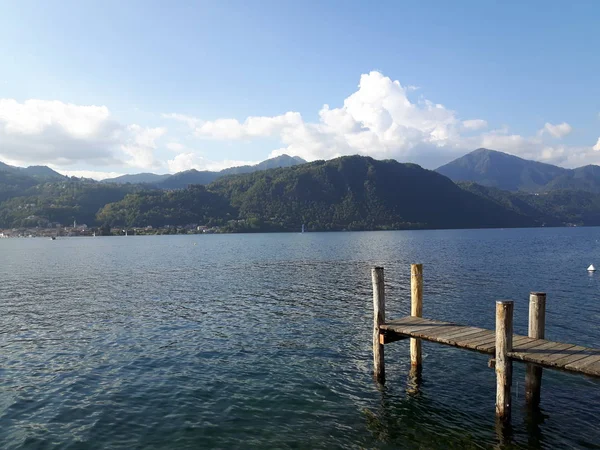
(510, 173)
(347, 193)
(32, 171)
(183, 179)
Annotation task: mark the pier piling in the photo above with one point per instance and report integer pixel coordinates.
(534, 349)
(416, 310)
(378, 320)
(537, 330)
(504, 338)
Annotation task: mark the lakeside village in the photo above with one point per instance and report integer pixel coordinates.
(54, 230)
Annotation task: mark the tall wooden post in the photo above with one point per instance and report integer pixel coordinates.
(416, 310)
(537, 329)
(378, 319)
(504, 335)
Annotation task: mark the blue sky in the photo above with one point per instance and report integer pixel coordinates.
(122, 87)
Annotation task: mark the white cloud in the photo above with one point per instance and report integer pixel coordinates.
(141, 144)
(94, 174)
(597, 146)
(232, 129)
(558, 131)
(474, 124)
(63, 134)
(175, 147)
(381, 121)
(191, 160)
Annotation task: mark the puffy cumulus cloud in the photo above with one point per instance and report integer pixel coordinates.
(192, 160)
(597, 146)
(474, 124)
(140, 146)
(232, 129)
(379, 119)
(558, 131)
(63, 134)
(175, 147)
(94, 174)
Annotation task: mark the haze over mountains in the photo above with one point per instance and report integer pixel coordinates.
(490, 189)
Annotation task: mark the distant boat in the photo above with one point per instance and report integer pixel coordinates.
(52, 238)
(591, 268)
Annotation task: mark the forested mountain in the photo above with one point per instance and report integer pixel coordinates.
(554, 208)
(586, 178)
(137, 178)
(40, 172)
(348, 193)
(272, 163)
(60, 201)
(353, 193)
(501, 170)
(183, 179)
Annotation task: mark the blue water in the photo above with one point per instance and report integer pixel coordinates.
(264, 341)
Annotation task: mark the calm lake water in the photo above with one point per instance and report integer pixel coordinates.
(264, 341)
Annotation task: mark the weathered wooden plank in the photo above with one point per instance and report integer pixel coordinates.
(540, 352)
(520, 351)
(517, 340)
(413, 328)
(580, 364)
(535, 350)
(593, 369)
(545, 356)
(431, 333)
(464, 332)
(484, 337)
(463, 340)
(573, 354)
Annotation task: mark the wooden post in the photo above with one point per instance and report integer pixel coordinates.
(537, 329)
(378, 319)
(504, 335)
(416, 310)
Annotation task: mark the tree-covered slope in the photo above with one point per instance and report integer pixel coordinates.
(354, 193)
(60, 201)
(194, 205)
(501, 170)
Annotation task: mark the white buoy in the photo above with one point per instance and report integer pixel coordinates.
(591, 268)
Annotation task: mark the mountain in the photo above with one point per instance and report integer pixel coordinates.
(25, 201)
(14, 183)
(32, 171)
(586, 178)
(183, 179)
(553, 208)
(348, 193)
(6, 168)
(272, 163)
(137, 178)
(501, 170)
(41, 172)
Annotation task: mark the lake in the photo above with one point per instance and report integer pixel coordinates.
(264, 340)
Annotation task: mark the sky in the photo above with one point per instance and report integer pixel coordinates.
(99, 89)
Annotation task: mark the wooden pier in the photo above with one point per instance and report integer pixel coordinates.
(505, 346)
